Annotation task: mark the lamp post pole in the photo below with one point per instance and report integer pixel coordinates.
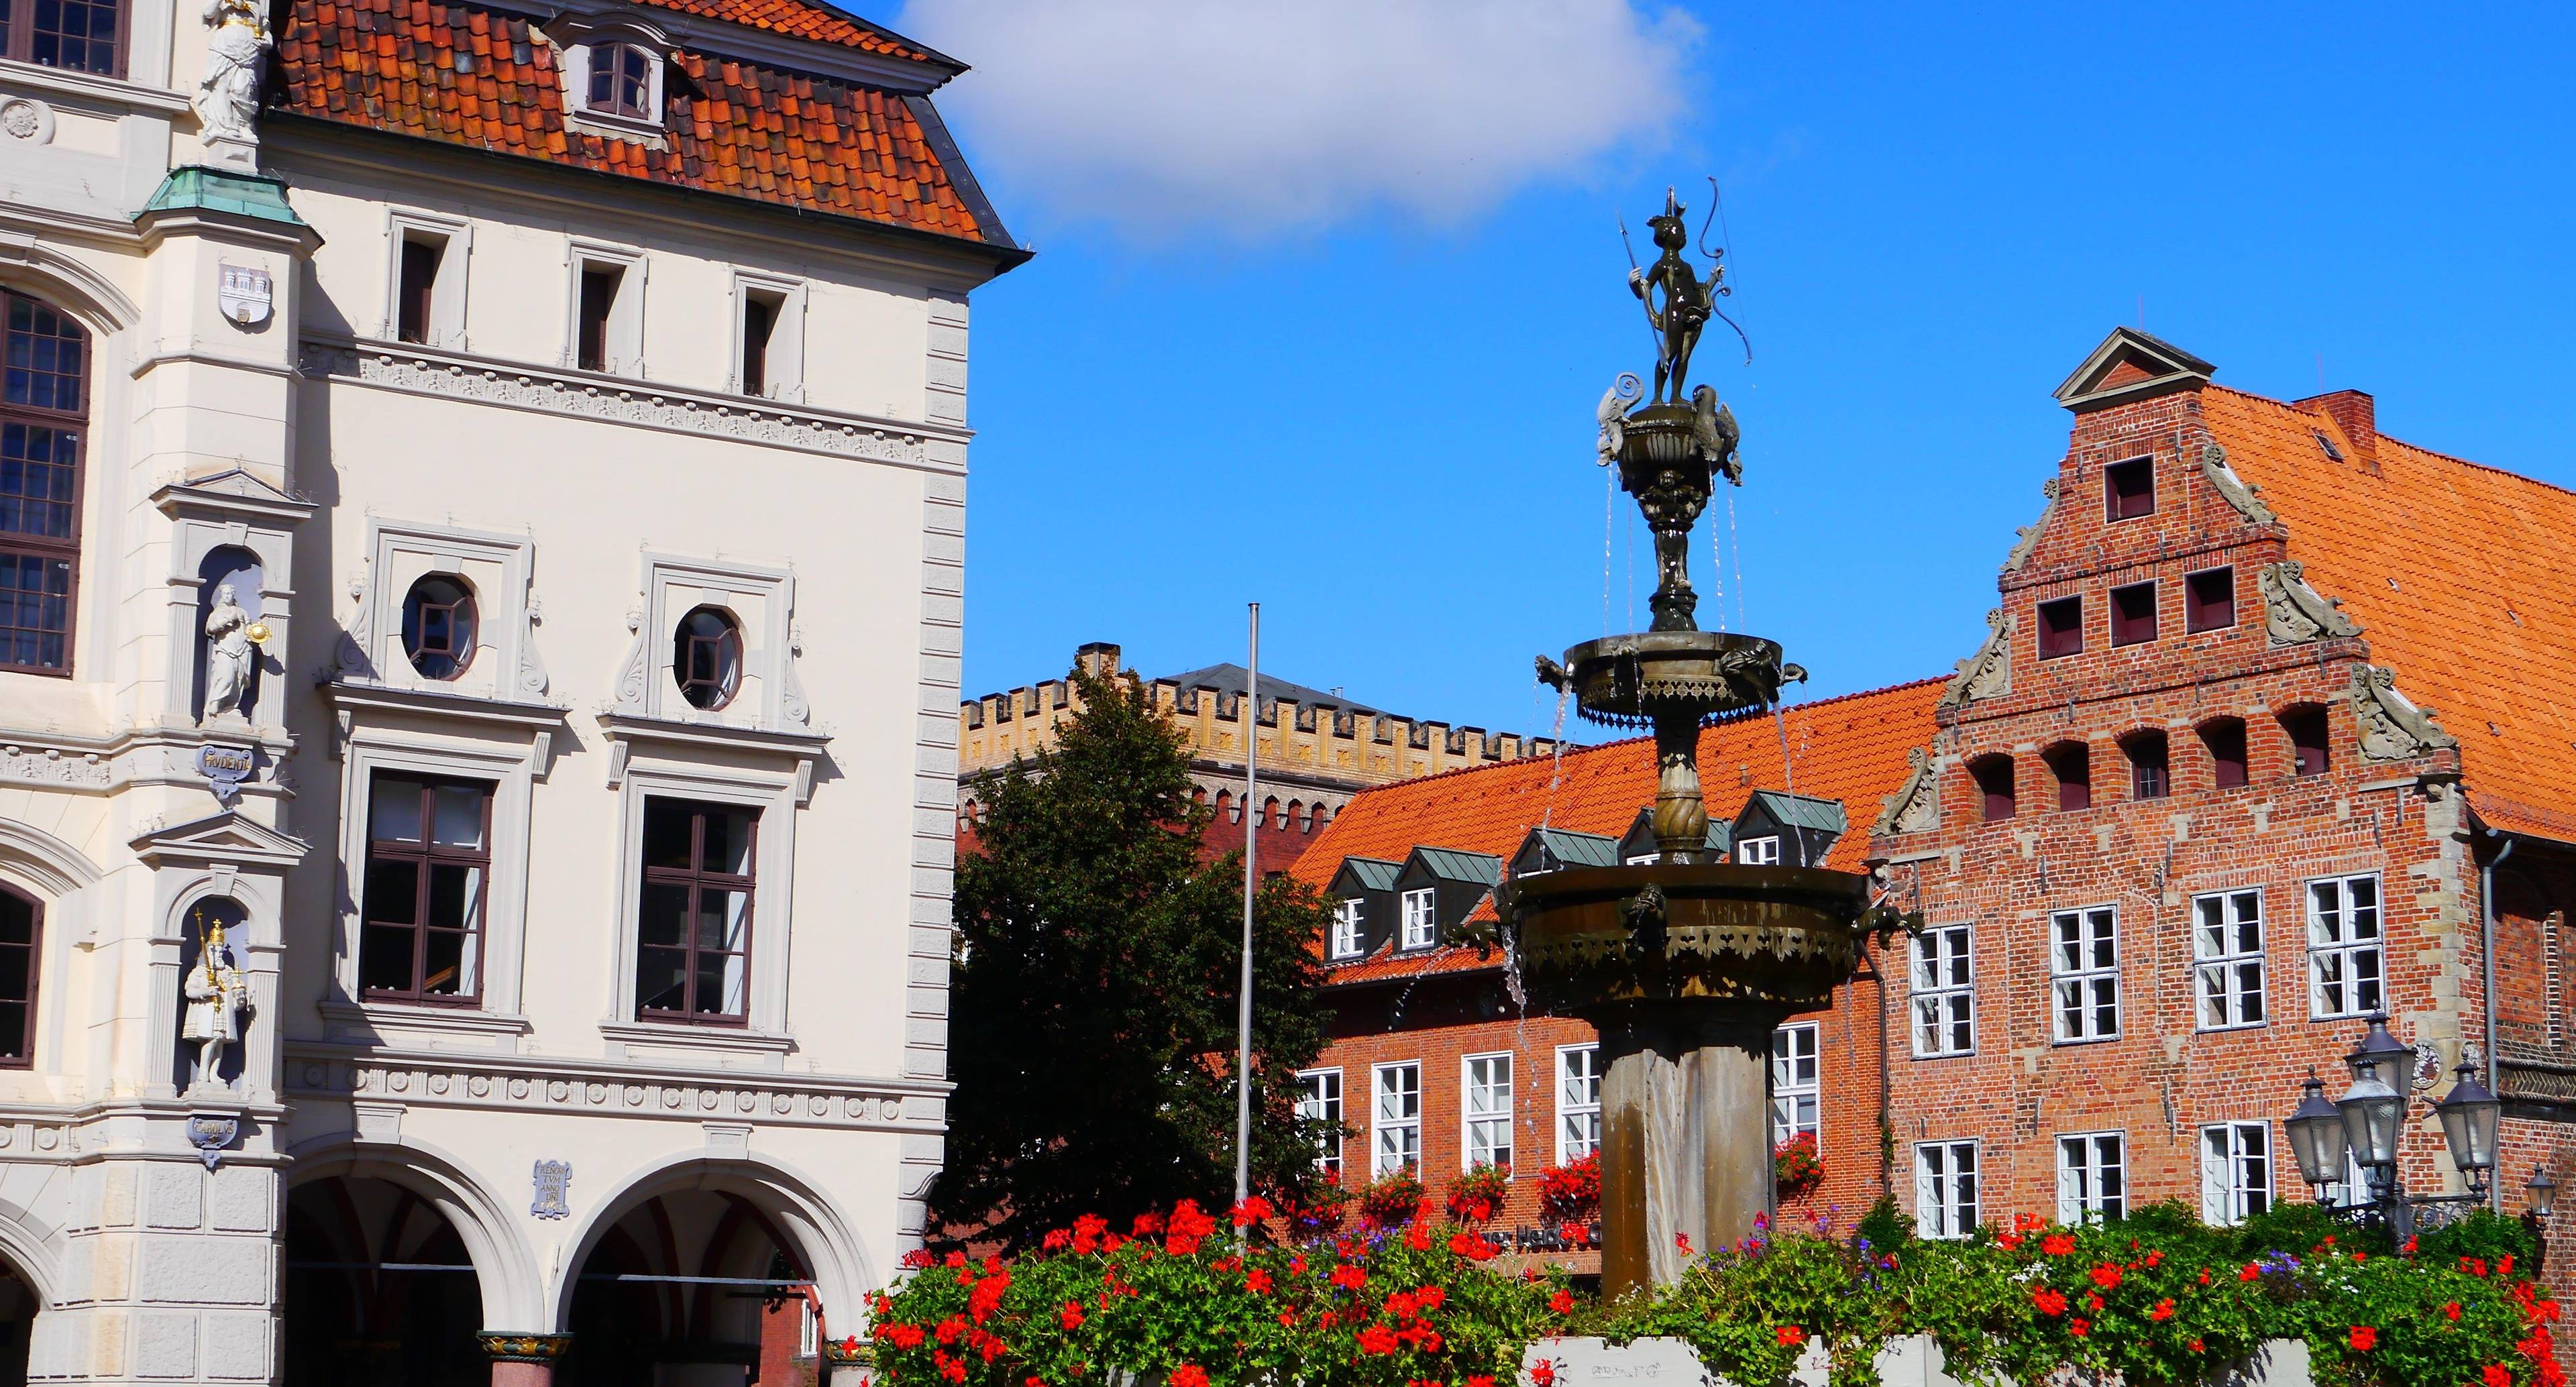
(1251, 882)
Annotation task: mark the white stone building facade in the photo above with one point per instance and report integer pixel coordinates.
(481, 540)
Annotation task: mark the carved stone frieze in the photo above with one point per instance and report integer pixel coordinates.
(766, 422)
(2029, 534)
(2248, 500)
(1916, 805)
(1987, 673)
(462, 1081)
(2293, 612)
(2393, 728)
(53, 766)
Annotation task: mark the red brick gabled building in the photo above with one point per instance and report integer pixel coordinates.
(2192, 814)
(2267, 734)
(1431, 1058)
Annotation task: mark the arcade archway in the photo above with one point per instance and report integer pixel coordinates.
(379, 1291)
(18, 1305)
(693, 1288)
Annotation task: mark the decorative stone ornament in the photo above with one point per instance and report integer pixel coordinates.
(1987, 673)
(2393, 728)
(2248, 500)
(2293, 612)
(524, 1348)
(227, 97)
(225, 768)
(553, 1190)
(1916, 805)
(210, 1133)
(2028, 535)
(26, 120)
(245, 293)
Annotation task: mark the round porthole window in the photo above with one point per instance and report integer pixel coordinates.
(439, 626)
(706, 658)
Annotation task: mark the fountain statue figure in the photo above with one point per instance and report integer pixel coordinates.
(1684, 964)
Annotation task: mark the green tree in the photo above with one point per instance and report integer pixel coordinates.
(1094, 1002)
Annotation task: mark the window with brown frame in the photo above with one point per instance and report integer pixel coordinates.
(2129, 489)
(44, 402)
(2133, 614)
(2150, 767)
(693, 919)
(417, 294)
(429, 860)
(75, 35)
(2061, 628)
(706, 658)
(438, 626)
(2225, 739)
(2209, 599)
(2072, 764)
(22, 933)
(1994, 777)
(621, 80)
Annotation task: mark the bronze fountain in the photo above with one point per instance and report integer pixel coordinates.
(1685, 965)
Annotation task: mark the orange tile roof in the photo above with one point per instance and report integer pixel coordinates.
(804, 20)
(2463, 578)
(1851, 749)
(484, 78)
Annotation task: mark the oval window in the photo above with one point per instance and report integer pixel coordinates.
(706, 658)
(438, 626)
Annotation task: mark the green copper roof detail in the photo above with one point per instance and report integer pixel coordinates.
(200, 189)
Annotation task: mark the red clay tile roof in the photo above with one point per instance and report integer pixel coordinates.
(484, 78)
(2463, 578)
(803, 20)
(1851, 749)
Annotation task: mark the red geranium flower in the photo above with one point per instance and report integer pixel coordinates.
(2107, 1277)
(1257, 1281)
(2057, 1244)
(2164, 1310)
(1377, 1338)
(1789, 1335)
(2496, 1375)
(2049, 1301)
(2451, 1311)
(1682, 1241)
(1071, 1315)
(1350, 1277)
(1189, 1375)
(1562, 1302)
(2364, 1337)
(2250, 1273)
(2079, 1328)
(1542, 1374)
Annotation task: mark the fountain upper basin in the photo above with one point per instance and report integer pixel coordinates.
(1783, 936)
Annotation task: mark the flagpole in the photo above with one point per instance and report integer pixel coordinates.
(1251, 882)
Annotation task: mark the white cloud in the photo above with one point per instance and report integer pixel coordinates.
(1253, 117)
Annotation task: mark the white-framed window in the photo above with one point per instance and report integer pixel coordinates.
(2344, 959)
(2092, 1176)
(1319, 1099)
(809, 1328)
(1945, 993)
(2084, 974)
(1395, 1118)
(604, 321)
(1578, 1102)
(613, 78)
(2227, 958)
(1485, 1109)
(1347, 918)
(1758, 852)
(1945, 1188)
(1794, 1082)
(2235, 1171)
(768, 336)
(425, 278)
(1421, 917)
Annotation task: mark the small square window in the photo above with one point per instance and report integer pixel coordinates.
(2061, 628)
(2209, 599)
(2129, 489)
(2133, 614)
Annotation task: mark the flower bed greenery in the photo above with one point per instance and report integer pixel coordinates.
(2156, 1298)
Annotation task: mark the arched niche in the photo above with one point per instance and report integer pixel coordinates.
(239, 569)
(203, 917)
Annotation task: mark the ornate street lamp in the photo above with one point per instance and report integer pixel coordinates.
(2382, 1054)
(2371, 1111)
(2469, 1116)
(2543, 1192)
(2316, 1135)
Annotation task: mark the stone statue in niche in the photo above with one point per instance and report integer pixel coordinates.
(230, 634)
(227, 100)
(217, 992)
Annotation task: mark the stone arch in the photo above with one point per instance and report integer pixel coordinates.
(40, 271)
(43, 861)
(505, 1268)
(27, 1249)
(791, 1200)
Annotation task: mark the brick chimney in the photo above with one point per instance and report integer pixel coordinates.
(2358, 418)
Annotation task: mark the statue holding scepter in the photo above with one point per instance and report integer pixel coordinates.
(217, 991)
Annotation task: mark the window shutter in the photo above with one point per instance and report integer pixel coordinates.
(2215, 1154)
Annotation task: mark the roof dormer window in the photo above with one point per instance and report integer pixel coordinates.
(622, 78)
(613, 72)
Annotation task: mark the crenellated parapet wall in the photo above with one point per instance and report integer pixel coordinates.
(1312, 755)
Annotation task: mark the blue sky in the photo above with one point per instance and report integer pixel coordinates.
(1328, 333)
